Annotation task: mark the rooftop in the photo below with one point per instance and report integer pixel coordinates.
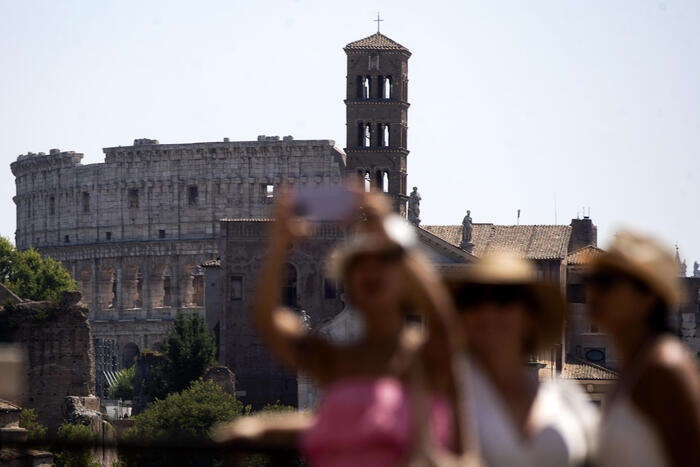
(531, 241)
(376, 41)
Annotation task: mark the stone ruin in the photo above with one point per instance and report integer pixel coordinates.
(59, 360)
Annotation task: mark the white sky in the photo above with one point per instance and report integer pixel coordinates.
(512, 103)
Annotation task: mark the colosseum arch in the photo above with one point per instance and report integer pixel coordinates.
(161, 286)
(85, 284)
(107, 287)
(132, 286)
(192, 286)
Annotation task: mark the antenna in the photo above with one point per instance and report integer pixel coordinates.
(518, 221)
(555, 209)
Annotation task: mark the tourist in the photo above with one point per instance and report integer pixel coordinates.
(507, 318)
(371, 411)
(652, 417)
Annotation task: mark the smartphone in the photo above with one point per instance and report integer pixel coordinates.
(326, 203)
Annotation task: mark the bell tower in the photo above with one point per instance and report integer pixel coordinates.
(376, 115)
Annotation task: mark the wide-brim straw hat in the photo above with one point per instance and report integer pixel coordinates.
(508, 270)
(399, 236)
(644, 259)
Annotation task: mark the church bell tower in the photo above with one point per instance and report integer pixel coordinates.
(376, 115)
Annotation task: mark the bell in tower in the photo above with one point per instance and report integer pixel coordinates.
(376, 115)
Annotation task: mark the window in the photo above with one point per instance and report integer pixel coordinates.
(86, 201)
(66, 239)
(575, 293)
(192, 195)
(596, 356)
(108, 235)
(268, 191)
(374, 62)
(133, 198)
(161, 234)
(387, 87)
(236, 287)
(330, 290)
(52, 205)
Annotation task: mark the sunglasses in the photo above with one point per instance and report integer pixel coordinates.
(467, 298)
(605, 281)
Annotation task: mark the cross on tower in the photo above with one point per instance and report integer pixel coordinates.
(378, 20)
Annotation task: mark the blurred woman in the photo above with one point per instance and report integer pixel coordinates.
(507, 317)
(653, 416)
(367, 416)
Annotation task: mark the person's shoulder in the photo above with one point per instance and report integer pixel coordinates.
(670, 373)
(670, 358)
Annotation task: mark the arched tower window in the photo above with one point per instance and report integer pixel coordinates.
(385, 182)
(367, 181)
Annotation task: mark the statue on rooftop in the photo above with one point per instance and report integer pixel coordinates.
(696, 269)
(414, 207)
(467, 228)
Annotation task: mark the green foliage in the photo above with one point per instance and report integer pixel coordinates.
(30, 276)
(278, 407)
(185, 417)
(123, 388)
(29, 421)
(75, 457)
(188, 350)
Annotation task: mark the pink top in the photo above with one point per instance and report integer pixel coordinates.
(368, 422)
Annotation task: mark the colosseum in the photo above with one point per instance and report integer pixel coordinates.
(134, 230)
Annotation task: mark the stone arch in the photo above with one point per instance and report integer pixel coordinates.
(160, 284)
(192, 286)
(129, 354)
(132, 284)
(107, 288)
(86, 285)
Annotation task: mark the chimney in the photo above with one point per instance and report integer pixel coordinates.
(583, 233)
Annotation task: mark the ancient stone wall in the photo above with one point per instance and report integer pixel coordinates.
(305, 289)
(134, 230)
(59, 354)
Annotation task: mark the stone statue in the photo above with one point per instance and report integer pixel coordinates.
(684, 269)
(414, 207)
(696, 269)
(467, 228)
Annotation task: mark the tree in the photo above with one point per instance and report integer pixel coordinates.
(32, 276)
(189, 349)
(75, 457)
(123, 388)
(29, 421)
(184, 417)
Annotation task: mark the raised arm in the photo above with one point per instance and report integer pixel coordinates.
(428, 294)
(282, 329)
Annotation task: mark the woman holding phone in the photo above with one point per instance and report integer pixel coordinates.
(372, 389)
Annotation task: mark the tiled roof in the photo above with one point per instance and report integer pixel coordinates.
(584, 255)
(531, 241)
(583, 370)
(375, 42)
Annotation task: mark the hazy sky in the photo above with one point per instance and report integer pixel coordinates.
(513, 104)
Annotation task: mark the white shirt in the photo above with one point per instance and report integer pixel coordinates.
(563, 421)
(627, 438)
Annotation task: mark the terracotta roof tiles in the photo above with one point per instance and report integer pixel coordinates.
(375, 42)
(531, 241)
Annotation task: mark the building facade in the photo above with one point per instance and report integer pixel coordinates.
(134, 230)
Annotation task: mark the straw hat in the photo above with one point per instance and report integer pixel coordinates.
(501, 271)
(644, 259)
